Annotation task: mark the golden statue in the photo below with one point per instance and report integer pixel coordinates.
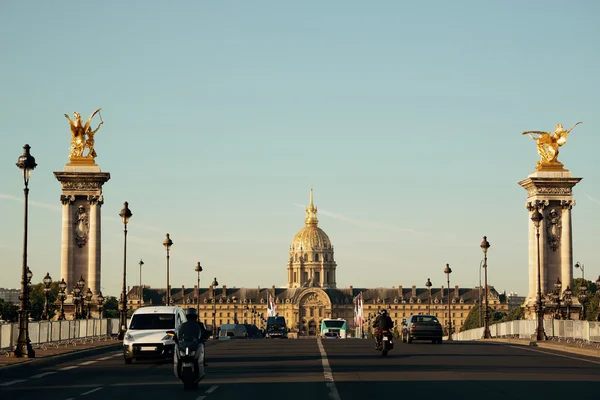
(549, 142)
(82, 136)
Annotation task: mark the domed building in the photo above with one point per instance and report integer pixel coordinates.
(311, 293)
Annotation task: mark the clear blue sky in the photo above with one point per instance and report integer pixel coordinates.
(405, 117)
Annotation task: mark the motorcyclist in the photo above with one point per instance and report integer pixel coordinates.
(194, 327)
(383, 322)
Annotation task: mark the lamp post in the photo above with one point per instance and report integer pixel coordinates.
(141, 288)
(214, 285)
(198, 269)
(47, 282)
(125, 215)
(62, 296)
(480, 306)
(537, 217)
(100, 300)
(168, 243)
(76, 299)
(428, 284)
(88, 301)
(26, 164)
(448, 271)
(567, 299)
(485, 245)
(80, 286)
(582, 295)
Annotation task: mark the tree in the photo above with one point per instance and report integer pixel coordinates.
(37, 299)
(591, 302)
(8, 311)
(111, 307)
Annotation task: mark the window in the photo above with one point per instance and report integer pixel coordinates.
(316, 257)
(295, 277)
(317, 276)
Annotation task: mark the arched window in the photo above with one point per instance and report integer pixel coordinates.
(316, 257)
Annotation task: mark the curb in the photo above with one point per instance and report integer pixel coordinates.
(37, 362)
(546, 345)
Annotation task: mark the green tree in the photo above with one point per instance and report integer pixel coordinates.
(8, 311)
(591, 302)
(111, 307)
(37, 299)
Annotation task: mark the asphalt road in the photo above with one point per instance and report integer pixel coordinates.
(320, 370)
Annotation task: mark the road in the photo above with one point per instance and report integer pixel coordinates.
(320, 370)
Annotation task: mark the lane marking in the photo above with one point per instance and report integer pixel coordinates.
(68, 368)
(88, 362)
(12, 382)
(328, 373)
(91, 391)
(104, 358)
(555, 354)
(212, 389)
(200, 397)
(42, 375)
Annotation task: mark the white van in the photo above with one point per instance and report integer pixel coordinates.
(146, 335)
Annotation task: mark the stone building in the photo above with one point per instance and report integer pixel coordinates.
(312, 293)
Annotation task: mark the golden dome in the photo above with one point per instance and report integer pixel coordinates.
(311, 236)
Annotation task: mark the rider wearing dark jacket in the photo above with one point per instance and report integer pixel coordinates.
(193, 327)
(383, 322)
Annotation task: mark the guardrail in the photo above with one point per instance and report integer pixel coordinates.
(59, 333)
(526, 329)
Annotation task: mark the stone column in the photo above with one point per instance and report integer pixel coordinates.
(93, 270)
(66, 248)
(566, 250)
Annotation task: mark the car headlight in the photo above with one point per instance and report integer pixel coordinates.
(129, 337)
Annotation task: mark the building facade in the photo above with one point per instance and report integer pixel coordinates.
(312, 293)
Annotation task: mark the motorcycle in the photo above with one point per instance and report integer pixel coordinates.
(387, 342)
(188, 359)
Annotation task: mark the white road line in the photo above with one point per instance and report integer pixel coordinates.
(69, 367)
(12, 382)
(200, 397)
(105, 358)
(212, 389)
(91, 391)
(555, 354)
(88, 362)
(42, 375)
(330, 383)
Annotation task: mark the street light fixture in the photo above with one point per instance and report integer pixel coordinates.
(582, 295)
(448, 271)
(198, 269)
(537, 217)
(100, 300)
(141, 288)
(26, 164)
(62, 296)
(428, 284)
(168, 243)
(214, 285)
(125, 215)
(88, 301)
(47, 282)
(485, 245)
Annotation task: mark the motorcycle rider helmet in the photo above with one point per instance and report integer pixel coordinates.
(191, 314)
(383, 312)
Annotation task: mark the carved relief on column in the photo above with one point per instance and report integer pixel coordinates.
(81, 226)
(554, 229)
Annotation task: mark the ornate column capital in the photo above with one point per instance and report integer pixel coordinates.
(67, 199)
(96, 200)
(567, 204)
(536, 204)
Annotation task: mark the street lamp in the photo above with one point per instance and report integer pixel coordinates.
(214, 285)
(100, 300)
(141, 289)
(80, 286)
(47, 282)
(485, 245)
(448, 271)
(568, 300)
(479, 303)
(62, 296)
(537, 217)
(26, 164)
(198, 269)
(582, 295)
(88, 301)
(76, 292)
(168, 243)
(125, 215)
(428, 284)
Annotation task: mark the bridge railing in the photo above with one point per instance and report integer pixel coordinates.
(526, 329)
(57, 333)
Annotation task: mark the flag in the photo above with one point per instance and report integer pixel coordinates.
(271, 307)
(360, 309)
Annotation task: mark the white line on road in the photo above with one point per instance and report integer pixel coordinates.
(88, 362)
(555, 354)
(12, 382)
(69, 367)
(200, 397)
(333, 392)
(105, 358)
(212, 389)
(91, 391)
(42, 375)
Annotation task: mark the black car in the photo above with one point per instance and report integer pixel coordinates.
(422, 327)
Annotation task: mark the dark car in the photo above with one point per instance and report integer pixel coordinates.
(422, 327)
(276, 328)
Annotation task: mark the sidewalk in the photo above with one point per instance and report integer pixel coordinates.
(51, 351)
(592, 349)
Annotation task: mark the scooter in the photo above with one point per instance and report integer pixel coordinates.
(387, 342)
(188, 360)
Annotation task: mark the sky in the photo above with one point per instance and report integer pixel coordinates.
(219, 116)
